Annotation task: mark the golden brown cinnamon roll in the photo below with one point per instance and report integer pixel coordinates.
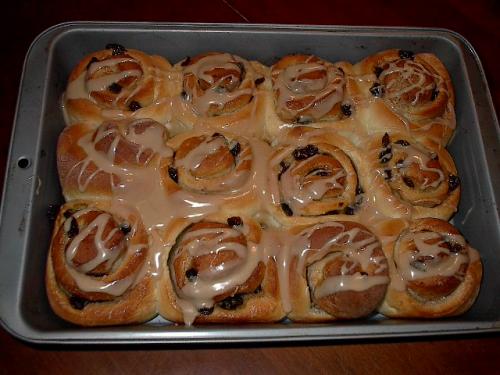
(118, 83)
(217, 272)
(308, 90)
(221, 92)
(220, 170)
(337, 271)
(434, 272)
(417, 87)
(99, 163)
(409, 179)
(97, 269)
(315, 178)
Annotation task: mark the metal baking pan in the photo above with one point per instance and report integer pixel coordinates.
(31, 183)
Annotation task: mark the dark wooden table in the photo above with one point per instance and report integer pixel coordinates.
(477, 20)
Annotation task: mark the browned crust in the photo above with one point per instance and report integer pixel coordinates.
(434, 121)
(305, 310)
(155, 71)
(264, 306)
(243, 116)
(386, 200)
(136, 305)
(400, 304)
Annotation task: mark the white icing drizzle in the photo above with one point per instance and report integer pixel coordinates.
(298, 191)
(299, 194)
(356, 282)
(432, 258)
(216, 95)
(412, 73)
(200, 293)
(325, 92)
(360, 251)
(415, 154)
(104, 254)
(84, 84)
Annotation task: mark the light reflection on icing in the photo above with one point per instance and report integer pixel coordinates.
(321, 94)
(216, 95)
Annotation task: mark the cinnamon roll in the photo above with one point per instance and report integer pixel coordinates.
(316, 178)
(337, 271)
(97, 269)
(406, 178)
(220, 170)
(434, 272)
(118, 83)
(217, 272)
(221, 92)
(308, 90)
(416, 86)
(102, 162)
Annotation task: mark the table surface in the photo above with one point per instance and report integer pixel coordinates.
(477, 21)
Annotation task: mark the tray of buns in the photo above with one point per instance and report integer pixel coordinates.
(234, 183)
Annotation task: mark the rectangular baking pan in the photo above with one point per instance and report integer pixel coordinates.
(31, 183)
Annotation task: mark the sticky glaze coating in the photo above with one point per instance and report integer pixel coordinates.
(296, 190)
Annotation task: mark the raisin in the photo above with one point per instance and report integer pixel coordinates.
(284, 166)
(77, 303)
(73, 229)
(134, 106)
(405, 54)
(52, 211)
(388, 174)
(378, 71)
(186, 61)
(434, 94)
(286, 209)
(236, 149)
(346, 109)
(349, 210)
(125, 228)
(118, 49)
(206, 310)
(386, 140)
(217, 135)
(191, 274)
(231, 303)
(115, 88)
(305, 152)
(402, 142)
(455, 248)
(377, 90)
(260, 80)
(363, 273)
(234, 221)
(408, 182)
(184, 95)
(453, 182)
(172, 172)
(92, 60)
